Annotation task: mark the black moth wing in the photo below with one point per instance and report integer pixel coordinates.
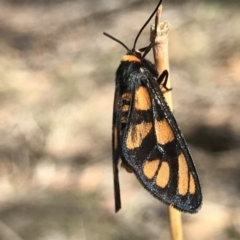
(116, 148)
(151, 142)
(122, 97)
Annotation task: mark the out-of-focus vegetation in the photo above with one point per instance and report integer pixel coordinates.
(56, 92)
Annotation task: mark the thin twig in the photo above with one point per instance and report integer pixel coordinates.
(159, 35)
(175, 222)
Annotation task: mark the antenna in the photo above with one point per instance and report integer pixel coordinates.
(113, 38)
(146, 23)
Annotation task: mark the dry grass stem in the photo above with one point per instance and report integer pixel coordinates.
(159, 36)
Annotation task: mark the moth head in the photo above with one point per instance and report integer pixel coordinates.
(145, 50)
(135, 53)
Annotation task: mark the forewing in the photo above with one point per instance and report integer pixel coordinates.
(184, 187)
(156, 151)
(115, 149)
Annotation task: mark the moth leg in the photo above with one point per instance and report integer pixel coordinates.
(126, 167)
(162, 80)
(146, 50)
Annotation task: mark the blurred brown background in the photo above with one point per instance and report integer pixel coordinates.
(56, 92)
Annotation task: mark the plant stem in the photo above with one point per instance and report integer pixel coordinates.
(159, 36)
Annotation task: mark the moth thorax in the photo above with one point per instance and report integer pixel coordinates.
(130, 58)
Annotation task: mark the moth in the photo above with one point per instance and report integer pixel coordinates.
(146, 136)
